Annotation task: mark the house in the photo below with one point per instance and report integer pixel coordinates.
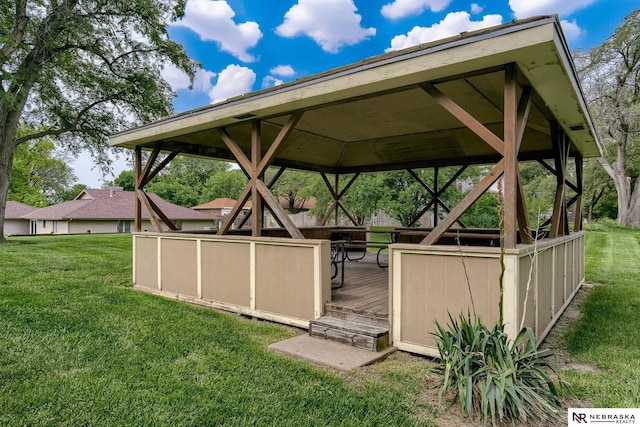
(14, 221)
(493, 97)
(109, 210)
(218, 209)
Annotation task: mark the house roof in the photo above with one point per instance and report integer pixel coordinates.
(109, 204)
(223, 202)
(378, 114)
(17, 210)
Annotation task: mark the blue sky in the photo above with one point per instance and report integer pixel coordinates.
(247, 45)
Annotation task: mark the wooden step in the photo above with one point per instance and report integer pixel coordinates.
(368, 337)
(374, 319)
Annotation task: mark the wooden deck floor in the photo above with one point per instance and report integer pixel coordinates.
(366, 288)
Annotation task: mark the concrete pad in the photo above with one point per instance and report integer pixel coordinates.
(329, 353)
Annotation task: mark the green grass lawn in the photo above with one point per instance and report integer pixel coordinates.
(78, 346)
(608, 334)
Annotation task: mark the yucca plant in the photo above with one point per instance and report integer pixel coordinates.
(497, 379)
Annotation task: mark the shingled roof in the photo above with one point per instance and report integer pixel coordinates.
(110, 204)
(17, 210)
(220, 203)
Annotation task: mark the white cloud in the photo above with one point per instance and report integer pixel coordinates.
(330, 23)
(283, 70)
(527, 8)
(213, 21)
(271, 81)
(476, 8)
(178, 79)
(571, 30)
(232, 81)
(452, 24)
(402, 8)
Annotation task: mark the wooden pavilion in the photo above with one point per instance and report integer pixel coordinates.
(497, 97)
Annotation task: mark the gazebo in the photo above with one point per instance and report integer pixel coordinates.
(495, 97)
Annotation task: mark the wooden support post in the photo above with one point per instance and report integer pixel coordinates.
(254, 169)
(510, 156)
(271, 184)
(256, 198)
(560, 144)
(435, 189)
(142, 178)
(335, 191)
(137, 173)
(577, 220)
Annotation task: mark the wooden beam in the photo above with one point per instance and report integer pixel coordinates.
(158, 211)
(270, 185)
(136, 179)
(465, 118)
(256, 199)
(147, 206)
(436, 215)
(244, 196)
(523, 215)
(577, 220)
(494, 174)
(333, 206)
(147, 168)
(278, 142)
(558, 142)
(277, 210)
(435, 195)
(156, 170)
(510, 156)
(568, 183)
(336, 205)
(237, 152)
(346, 211)
(524, 106)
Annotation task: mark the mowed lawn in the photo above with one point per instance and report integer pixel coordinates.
(607, 336)
(78, 346)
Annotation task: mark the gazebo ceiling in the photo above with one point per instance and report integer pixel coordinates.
(378, 114)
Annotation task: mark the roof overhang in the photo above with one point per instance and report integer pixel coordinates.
(374, 115)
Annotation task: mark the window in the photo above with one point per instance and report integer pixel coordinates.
(124, 226)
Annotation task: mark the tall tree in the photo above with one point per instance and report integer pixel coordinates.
(224, 184)
(80, 70)
(39, 178)
(611, 77)
(296, 188)
(184, 180)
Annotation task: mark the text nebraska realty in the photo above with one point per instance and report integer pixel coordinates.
(604, 418)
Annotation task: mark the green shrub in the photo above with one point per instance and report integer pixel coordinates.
(493, 377)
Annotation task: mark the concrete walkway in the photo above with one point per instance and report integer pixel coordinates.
(329, 353)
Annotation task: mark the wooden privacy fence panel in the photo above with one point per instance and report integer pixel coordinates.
(427, 283)
(283, 280)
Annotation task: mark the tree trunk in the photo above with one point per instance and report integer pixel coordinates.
(628, 202)
(7, 146)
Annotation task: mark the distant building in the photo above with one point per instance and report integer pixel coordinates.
(14, 221)
(107, 211)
